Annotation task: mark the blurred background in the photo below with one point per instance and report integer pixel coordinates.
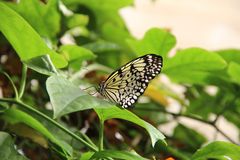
(211, 25)
(214, 24)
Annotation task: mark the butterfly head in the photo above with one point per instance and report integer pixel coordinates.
(101, 87)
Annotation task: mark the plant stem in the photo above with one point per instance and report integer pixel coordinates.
(31, 109)
(177, 154)
(23, 81)
(101, 133)
(211, 123)
(13, 85)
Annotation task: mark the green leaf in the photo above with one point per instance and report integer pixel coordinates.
(86, 156)
(104, 10)
(218, 150)
(44, 18)
(7, 149)
(24, 39)
(77, 20)
(41, 64)
(120, 35)
(66, 97)
(234, 72)
(158, 41)
(17, 116)
(189, 137)
(193, 65)
(115, 112)
(76, 55)
(230, 55)
(116, 154)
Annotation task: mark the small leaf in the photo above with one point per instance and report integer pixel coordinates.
(76, 54)
(234, 72)
(158, 41)
(24, 39)
(77, 20)
(193, 65)
(7, 149)
(102, 46)
(115, 112)
(41, 64)
(44, 18)
(116, 154)
(218, 150)
(86, 156)
(66, 97)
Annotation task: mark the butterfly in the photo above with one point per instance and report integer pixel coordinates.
(125, 85)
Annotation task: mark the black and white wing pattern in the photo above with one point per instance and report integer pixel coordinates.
(125, 85)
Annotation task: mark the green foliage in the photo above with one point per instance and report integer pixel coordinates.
(7, 148)
(218, 150)
(67, 98)
(158, 41)
(15, 116)
(76, 55)
(194, 66)
(116, 154)
(74, 123)
(114, 112)
(41, 64)
(22, 36)
(45, 19)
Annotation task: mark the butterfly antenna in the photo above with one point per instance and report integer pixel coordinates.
(92, 94)
(95, 87)
(84, 89)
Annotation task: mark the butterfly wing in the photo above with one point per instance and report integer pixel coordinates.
(125, 85)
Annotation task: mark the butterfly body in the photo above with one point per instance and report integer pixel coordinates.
(125, 85)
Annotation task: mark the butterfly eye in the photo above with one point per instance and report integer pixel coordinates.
(125, 85)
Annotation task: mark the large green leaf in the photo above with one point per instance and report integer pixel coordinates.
(115, 112)
(24, 39)
(158, 41)
(44, 18)
(116, 154)
(17, 116)
(7, 149)
(219, 151)
(67, 97)
(234, 72)
(193, 65)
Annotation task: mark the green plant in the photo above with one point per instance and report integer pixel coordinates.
(51, 70)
